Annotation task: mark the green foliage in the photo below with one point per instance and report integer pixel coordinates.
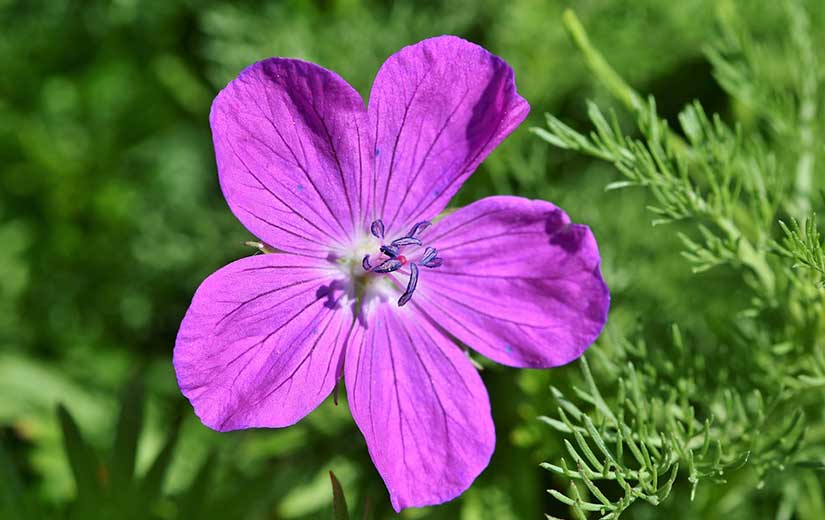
(12, 497)
(115, 490)
(695, 412)
(804, 245)
(661, 420)
(339, 501)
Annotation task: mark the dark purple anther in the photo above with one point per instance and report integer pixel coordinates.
(406, 241)
(419, 228)
(377, 229)
(388, 266)
(435, 262)
(410, 286)
(390, 251)
(428, 255)
(429, 258)
(365, 263)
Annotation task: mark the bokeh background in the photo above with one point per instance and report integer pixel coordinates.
(111, 215)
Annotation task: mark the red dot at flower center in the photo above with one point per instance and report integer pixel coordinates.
(402, 259)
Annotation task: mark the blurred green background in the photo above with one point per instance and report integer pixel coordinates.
(111, 215)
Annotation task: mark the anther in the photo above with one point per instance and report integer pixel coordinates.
(419, 228)
(390, 251)
(410, 286)
(377, 228)
(428, 255)
(406, 241)
(435, 262)
(388, 266)
(429, 258)
(365, 263)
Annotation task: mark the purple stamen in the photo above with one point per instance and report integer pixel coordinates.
(428, 255)
(435, 262)
(377, 228)
(390, 251)
(406, 241)
(395, 260)
(410, 286)
(419, 228)
(388, 266)
(429, 259)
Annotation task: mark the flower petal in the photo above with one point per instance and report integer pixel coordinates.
(261, 342)
(519, 283)
(421, 406)
(289, 137)
(436, 109)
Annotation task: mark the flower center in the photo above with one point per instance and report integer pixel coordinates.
(405, 251)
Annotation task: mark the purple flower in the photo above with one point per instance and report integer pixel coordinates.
(367, 285)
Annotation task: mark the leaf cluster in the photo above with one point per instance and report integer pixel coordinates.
(697, 412)
(108, 485)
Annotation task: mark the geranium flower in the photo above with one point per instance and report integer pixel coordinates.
(366, 285)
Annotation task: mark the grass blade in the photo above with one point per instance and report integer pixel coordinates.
(152, 483)
(339, 502)
(194, 501)
(82, 459)
(12, 502)
(129, 424)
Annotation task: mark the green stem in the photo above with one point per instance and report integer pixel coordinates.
(608, 76)
(807, 110)
(599, 66)
(749, 255)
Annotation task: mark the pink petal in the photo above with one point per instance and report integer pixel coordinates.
(437, 109)
(261, 342)
(519, 283)
(421, 407)
(288, 140)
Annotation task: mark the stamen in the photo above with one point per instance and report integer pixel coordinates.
(410, 286)
(435, 262)
(419, 228)
(428, 255)
(406, 241)
(429, 259)
(390, 251)
(394, 260)
(377, 228)
(387, 266)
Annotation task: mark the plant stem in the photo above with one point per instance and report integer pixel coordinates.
(599, 66)
(614, 83)
(807, 110)
(749, 255)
